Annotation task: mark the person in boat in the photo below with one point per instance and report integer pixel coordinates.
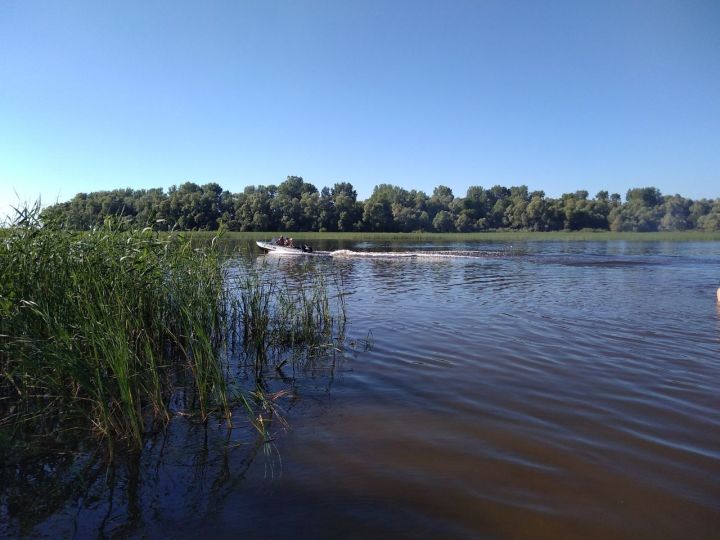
(280, 241)
(290, 243)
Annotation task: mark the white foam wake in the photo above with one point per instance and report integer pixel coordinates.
(456, 254)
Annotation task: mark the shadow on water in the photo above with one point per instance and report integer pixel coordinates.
(84, 494)
(182, 473)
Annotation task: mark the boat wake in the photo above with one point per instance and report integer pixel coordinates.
(455, 254)
(271, 248)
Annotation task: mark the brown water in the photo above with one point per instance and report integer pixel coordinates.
(540, 390)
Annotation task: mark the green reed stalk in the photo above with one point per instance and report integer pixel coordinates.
(280, 314)
(88, 323)
(100, 330)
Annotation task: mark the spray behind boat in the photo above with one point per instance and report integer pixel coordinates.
(275, 248)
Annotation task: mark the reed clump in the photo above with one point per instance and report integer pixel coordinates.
(99, 329)
(305, 315)
(110, 331)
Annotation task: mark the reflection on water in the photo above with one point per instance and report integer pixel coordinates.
(553, 390)
(183, 473)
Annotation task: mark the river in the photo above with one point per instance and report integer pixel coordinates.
(534, 390)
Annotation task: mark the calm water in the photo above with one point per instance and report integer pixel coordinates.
(539, 390)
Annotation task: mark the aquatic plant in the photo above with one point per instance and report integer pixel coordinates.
(114, 330)
(302, 315)
(98, 327)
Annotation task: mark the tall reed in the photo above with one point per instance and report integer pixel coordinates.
(101, 331)
(301, 315)
(98, 327)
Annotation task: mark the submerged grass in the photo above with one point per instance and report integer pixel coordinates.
(101, 331)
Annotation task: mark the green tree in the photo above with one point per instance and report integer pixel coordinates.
(676, 212)
(711, 220)
(444, 221)
(348, 211)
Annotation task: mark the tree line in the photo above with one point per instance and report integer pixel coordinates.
(296, 205)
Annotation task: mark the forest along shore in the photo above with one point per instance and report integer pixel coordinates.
(295, 205)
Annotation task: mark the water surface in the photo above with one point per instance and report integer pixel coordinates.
(539, 390)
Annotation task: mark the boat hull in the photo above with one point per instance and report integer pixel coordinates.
(269, 247)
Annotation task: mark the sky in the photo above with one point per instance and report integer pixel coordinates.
(559, 96)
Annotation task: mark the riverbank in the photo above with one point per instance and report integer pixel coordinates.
(499, 236)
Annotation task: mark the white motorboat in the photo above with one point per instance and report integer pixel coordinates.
(272, 247)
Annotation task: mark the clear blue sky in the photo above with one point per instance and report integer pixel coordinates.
(556, 95)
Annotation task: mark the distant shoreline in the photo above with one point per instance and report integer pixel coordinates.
(498, 236)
